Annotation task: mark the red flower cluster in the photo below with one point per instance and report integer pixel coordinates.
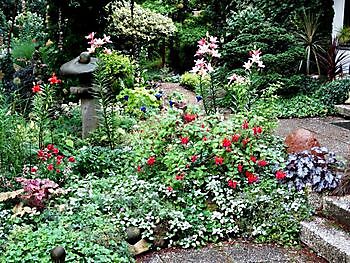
(226, 143)
(253, 158)
(54, 79)
(262, 163)
(257, 130)
(251, 177)
(280, 175)
(36, 88)
(194, 158)
(184, 140)
(189, 117)
(218, 160)
(180, 177)
(51, 160)
(151, 160)
(245, 125)
(235, 137)
(240, 168)
(245, 142)
(232, 184)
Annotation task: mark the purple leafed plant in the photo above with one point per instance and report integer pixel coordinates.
(36, 191)
(318, 168)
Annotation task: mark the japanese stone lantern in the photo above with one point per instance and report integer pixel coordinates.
(83, 67)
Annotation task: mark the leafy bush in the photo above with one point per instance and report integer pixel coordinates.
(300, 106)
(249, 28)
(139, 101)
(85, 236)
(206, 179)
(102, 161)
(186, 147)
(318, 169)
(15, 141)
(334, 92)
(30, 26)
(22, 52)
(190, 80)
(199, 216)
(145, 25)
(117, 71)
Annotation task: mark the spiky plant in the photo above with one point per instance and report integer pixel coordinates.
(333, 60)
(307, 34)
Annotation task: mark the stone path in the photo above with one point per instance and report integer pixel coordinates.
(238, 252)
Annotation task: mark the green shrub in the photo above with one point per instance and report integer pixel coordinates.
(22, 52)
(15, 143)
(190, 80)
(102, 161)
(334, 92)
(85, 235)
(139, 101)
(117, 70)
(300, 106)
(248, 29)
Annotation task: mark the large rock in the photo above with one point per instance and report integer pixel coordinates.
(300, 140)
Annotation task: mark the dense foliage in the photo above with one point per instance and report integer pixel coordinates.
(183, 175)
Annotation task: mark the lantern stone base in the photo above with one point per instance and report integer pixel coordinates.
(88, 109)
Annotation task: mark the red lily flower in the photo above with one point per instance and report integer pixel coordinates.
(54, 79)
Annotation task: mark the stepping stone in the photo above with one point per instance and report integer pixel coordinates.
(343, 109)
(337, 208)
(331, 243)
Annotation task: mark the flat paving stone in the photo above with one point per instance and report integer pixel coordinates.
(238, 252)
(247, 253)
(206, 255)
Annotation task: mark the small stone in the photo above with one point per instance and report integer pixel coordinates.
(140, 247)
(58, 254)
(300, 140)
(133, 235)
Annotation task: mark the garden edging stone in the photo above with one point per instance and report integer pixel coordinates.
(329, 242)
(337, 207)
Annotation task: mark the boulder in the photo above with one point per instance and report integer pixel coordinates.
(300, 140)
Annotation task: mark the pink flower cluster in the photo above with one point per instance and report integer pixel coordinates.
(98, 42)
(255, 58)
(207, 50)
(36, 191)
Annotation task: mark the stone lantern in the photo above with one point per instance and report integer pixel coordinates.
(83, 67)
